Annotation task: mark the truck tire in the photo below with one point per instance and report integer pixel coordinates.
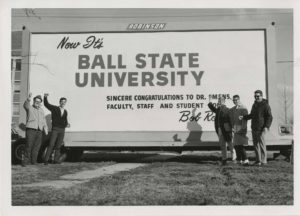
(43, 148)
(18, 149)
(292, 153)
(42, 152)
(72, 155)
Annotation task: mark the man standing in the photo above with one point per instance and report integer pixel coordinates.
(261, 120)
(35, 125)
(59, 123)
(239, 130)
(223, 128)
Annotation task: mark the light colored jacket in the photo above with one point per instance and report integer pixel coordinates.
(35, 117)
(239, 126)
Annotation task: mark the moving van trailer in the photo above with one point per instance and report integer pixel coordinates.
(145, 84)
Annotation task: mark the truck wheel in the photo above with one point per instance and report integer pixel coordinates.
(73, 155)
(292, 153)
(18, 149)
(287, 153)
(43, 148)
(63, 154)
(42, 152)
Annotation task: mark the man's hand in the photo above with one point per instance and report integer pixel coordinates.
(46, 95)
(29, 97)
(241, 117)
(265, 130)
(68, 125)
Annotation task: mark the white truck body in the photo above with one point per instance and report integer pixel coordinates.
(146, 83)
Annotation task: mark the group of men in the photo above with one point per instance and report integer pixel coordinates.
(231, 127)
(36, 125)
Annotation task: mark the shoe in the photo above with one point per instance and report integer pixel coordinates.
(245, 163)
(23, 165)
(46, 163)
(256, 164)
(56, 162)
(224, 162)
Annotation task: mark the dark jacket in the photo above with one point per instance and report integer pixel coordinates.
(260, 116)
(222, 120)
(240, 126)
(58, 120)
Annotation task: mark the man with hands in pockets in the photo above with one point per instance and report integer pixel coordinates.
(261, 120)
(240, 138)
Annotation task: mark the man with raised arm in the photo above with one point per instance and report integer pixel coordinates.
(223, 128)
(35, 125)
(59, 123)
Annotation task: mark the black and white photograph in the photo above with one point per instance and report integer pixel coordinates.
(157, 110)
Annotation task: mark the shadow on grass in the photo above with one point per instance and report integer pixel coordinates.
(121, 157)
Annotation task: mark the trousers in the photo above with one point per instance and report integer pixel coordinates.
(33, 145)
(223, 146)
(240, 153)
(239, 140)
(259, 146)
(56, 140)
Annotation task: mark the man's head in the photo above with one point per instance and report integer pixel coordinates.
(236, 100)
(258, 95)
(62, 102)
(221, 101)
(37, 100)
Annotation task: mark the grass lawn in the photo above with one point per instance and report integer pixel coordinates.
(177, 180)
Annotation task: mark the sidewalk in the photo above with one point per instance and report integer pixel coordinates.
(69, 180)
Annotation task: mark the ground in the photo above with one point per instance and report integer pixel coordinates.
(193, 178)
